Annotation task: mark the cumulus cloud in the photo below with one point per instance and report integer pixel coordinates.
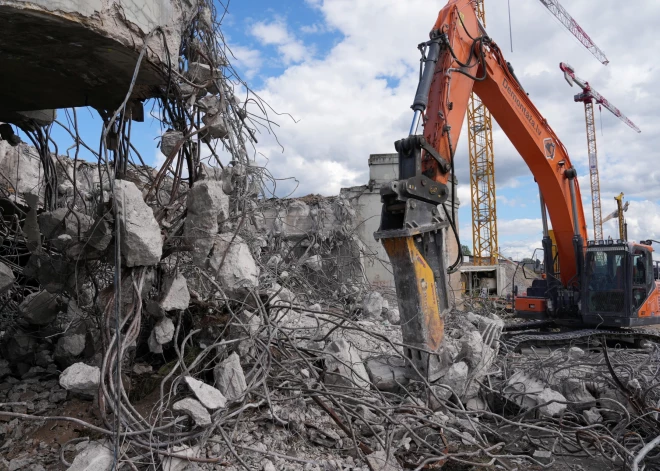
(276, 33)
(247, 59)
(353, 99)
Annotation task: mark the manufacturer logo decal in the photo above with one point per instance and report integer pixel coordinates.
(549, 146)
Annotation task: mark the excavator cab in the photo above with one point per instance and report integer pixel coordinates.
(619, 287)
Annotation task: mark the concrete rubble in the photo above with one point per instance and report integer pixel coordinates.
(39, 308)
(343, 365)
(233, 264)
(95, 456)
(530, 394)
(240, 330)
(229, 377)
(210, 397)
(81, 378)
(164, 331)
(194, 409)
(208, 208)
(176, 296)
(140, 237)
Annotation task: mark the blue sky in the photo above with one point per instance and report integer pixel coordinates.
(385, 35)
(347, 71)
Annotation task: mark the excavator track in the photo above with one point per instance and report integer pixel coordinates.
(515, 341)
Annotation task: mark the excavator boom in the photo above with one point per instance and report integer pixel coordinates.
(460, 58)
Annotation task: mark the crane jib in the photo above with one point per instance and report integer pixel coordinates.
(521, 106)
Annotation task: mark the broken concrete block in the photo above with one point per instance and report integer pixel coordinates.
(479, 358)
(195, 410)
(179, 464)
(476, 404)
(142, 368)
(372, 305)
(7, 278)
(211, 104)
(529, 392)
(18, 347)
(71, 344)
(268, 466)
(387, 374)
(456, 378)
(169, 141)
(210, 397)
(245, 327)
(99, 235)
(176, 296)
(199, 73)
(490, 328)
(164, 331)
(60, 222)
(592, 416)
(379, 461)
(81, 378)
(575, 390)
(344, 368)
(141, 241)
(209, 172)
(154, 346)
(235, 267)
(575, 352)
(96, 456)
(475, 353)
(229, 378)
(215, 127)
(208, 207)
(39, 308)
(393, 317)
(314, 263)
(543, 456)
(438, 397)
(7, 134)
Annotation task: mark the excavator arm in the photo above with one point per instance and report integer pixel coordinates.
(416, 223)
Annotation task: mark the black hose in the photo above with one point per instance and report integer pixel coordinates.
(466, 31)
(483, 62)
(453, 54)
(459, 259)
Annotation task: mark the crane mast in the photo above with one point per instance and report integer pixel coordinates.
(482, 175)
(482, 160)
(594, 178)
(590, 96)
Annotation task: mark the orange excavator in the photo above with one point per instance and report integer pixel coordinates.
(600, 283)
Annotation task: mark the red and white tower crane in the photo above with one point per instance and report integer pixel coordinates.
(589, 96)
(567, 20)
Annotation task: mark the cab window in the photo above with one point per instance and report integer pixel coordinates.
(642, 276)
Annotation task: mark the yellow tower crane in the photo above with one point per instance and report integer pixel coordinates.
(480, 145)
(482, 176)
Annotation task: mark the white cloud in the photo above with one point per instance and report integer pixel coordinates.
(316, 28)
(346, 110)
(276, 33)
(247, 59)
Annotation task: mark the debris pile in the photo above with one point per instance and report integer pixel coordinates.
(185, 318)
